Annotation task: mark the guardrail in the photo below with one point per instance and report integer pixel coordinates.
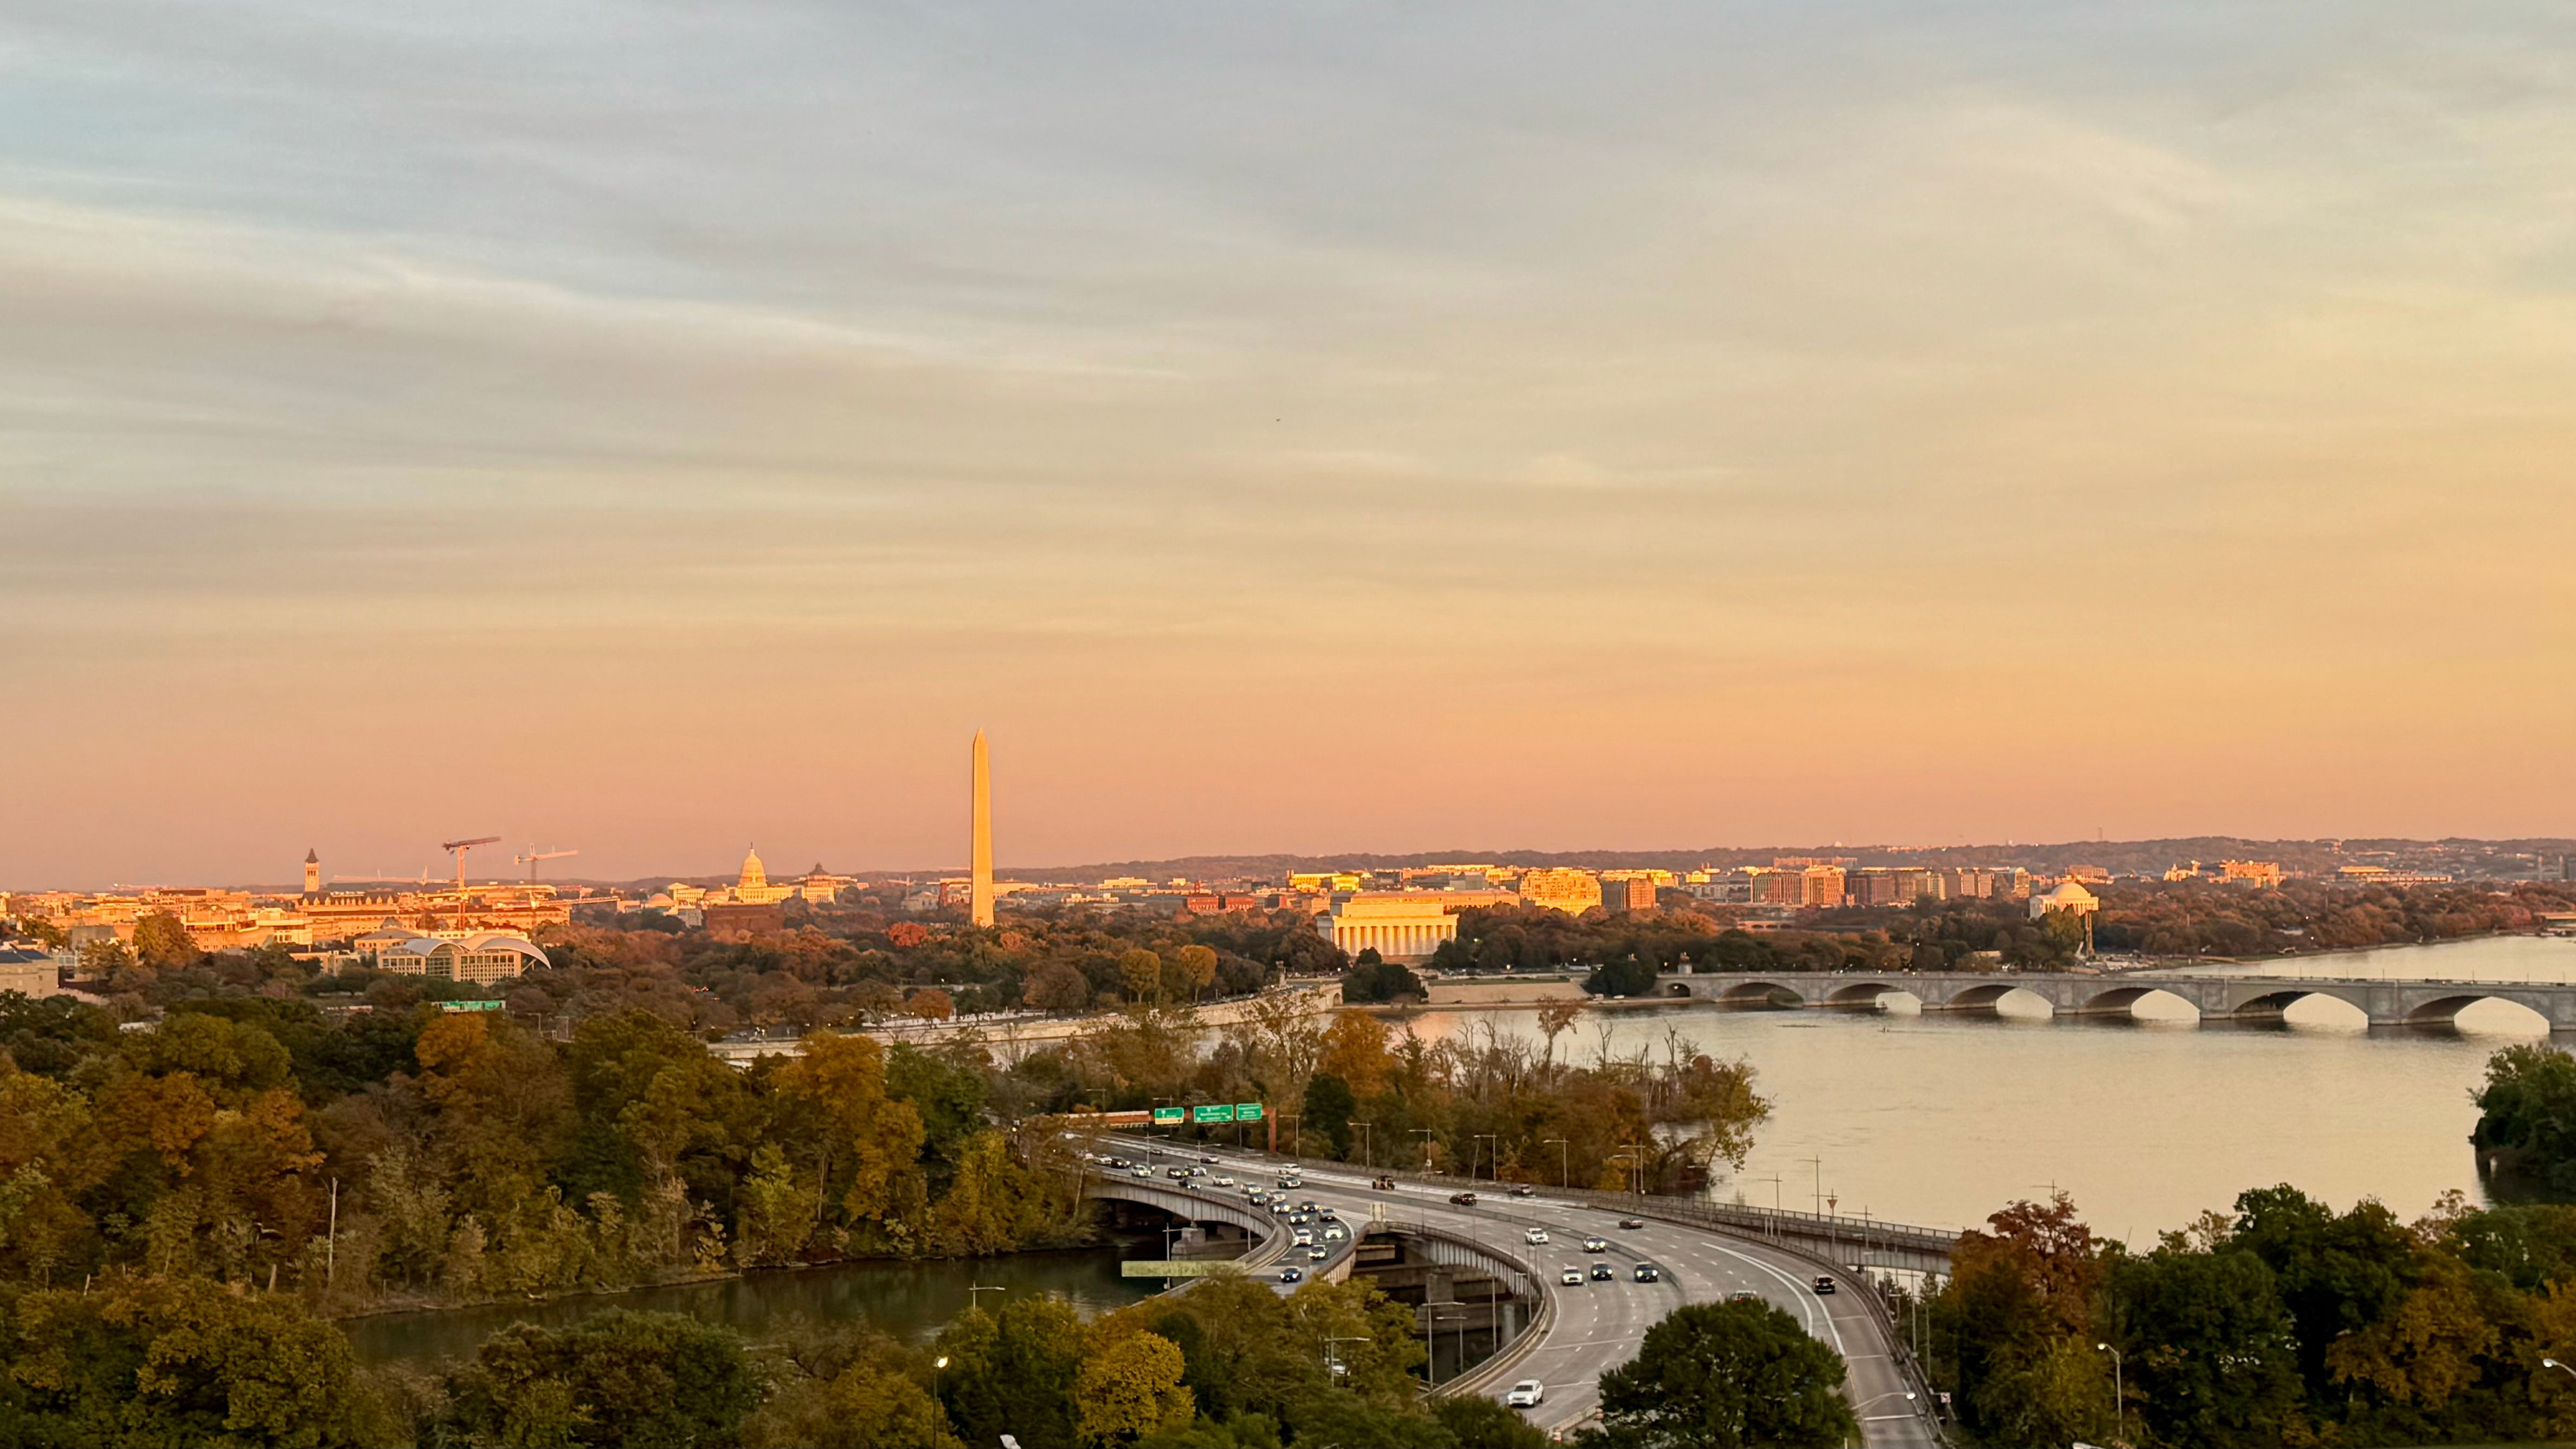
(1505, 1357)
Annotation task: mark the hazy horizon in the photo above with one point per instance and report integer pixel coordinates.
(650, 430)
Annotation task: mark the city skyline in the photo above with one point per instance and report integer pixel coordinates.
(1330, 433)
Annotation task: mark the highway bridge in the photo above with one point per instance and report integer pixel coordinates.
(2116, 994)
(1568, 1336)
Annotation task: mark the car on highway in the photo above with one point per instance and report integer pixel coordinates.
(1303, 1237)
(1292, 1275)
(1572, 1277)
(1382, 1184)
(1648, 1273)
(1225, 1182)
(1210, 1161)
(1462, 1199)
(1279, 1207)
(1318, 1252)
(1176, 1173)
(1824, 1283)
(1334, 1232)
(1743, 1297)
(1290, 1179)
(1527, 1394)
(1596, 1245)
(1632, 1224)
(1523, 1189)
(1601, 1273)
(1534, 1236)
(1141, 1170)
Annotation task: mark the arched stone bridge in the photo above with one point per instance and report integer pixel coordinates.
(2218, 998)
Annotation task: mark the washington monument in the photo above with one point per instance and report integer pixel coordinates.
(980, 901)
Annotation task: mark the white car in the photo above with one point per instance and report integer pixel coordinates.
(1527, 1394)
(1333, 1233)
(1571, 1277)
(1534, 1236)
(1225, 1182)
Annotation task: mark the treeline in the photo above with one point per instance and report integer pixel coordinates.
(2188, 918)
(2283, 1323)
(830, 966)
(1227, 1364)
(465, 1156)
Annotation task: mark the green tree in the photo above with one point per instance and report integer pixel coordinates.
(2526, 1132)
(1014, 1373)
(2210, 1353)
(174, 1361)
(1328, 1109)
(1626, 977)
(1724, 1375)
(616, 1379)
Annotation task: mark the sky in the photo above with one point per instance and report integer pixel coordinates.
(654, 429)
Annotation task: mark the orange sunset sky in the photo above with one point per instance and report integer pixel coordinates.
(1319, 428)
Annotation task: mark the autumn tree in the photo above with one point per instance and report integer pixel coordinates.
(161, 941)
(1058, 987)
(1142, 972)
(1129, 1388)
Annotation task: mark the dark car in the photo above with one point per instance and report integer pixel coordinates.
(1462, 1199)
(1292, 1275)
(1523, 1189)
(1632, 1222)
(1601, 1273)
(1382, 1184)
(1649, 1273)
(1824, 1283)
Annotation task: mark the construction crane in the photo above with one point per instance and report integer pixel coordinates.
(458, 849)
(534, 855)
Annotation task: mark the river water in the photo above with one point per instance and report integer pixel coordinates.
(1941, 1119)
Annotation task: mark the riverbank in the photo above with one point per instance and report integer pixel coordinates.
(909, 1298)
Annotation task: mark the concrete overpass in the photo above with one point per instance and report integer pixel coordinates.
(2217, 998)
(1573, 1334)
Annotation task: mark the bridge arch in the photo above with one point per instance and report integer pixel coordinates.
(2498, 1012)
(2123, 1003)
(1678, 988)
(1862, 993)
(2330, 1007)
(1990, 997)
(1756, 995)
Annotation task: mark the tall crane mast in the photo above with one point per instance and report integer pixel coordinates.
(458, 849)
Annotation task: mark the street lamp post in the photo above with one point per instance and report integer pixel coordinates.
(1425, 1134)
(1496, 1139)
(2119, 1390)
(1368, 1153)
(1564, 1173)
(1430, 1326)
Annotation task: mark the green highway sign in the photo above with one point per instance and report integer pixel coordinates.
(1220, 1113)
(1247, 1111)
(1169, 1116)
(472, 1005)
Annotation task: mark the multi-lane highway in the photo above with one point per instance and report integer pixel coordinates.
(1598, 1326)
